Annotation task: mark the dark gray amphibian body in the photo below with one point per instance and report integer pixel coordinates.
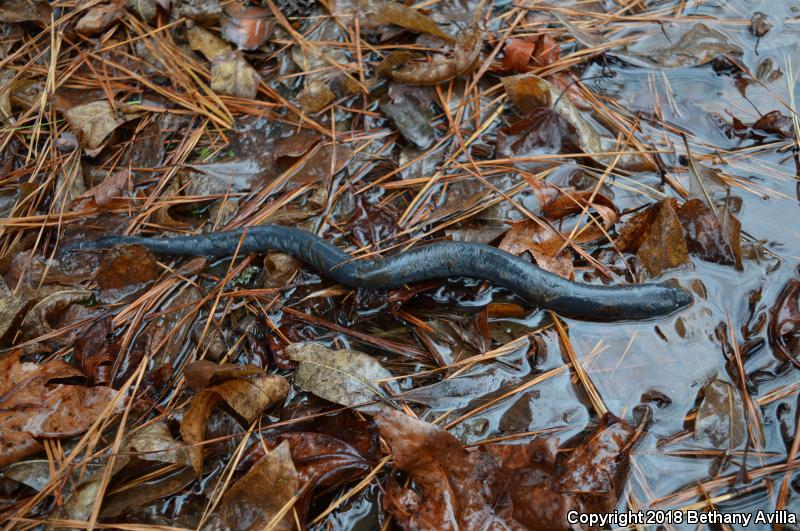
(434, 261)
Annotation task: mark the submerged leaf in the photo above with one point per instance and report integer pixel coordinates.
(720, 417)
(697, 45)
(125, 271)
(705, 236)
(207, 43)
(376, 12)
(663, 245)
(346, 377)
(413, 121)
(784, 323)
(315, 96)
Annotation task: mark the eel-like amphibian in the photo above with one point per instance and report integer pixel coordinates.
(434, 261)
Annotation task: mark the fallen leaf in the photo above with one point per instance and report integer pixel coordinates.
(96, 352)
(232, 75)
(529, 92)
(31, 405)
(247, 397)
(663, 245)
(705, 237)
(207, 43)
(519, 53)
(154, 442)
(146, 491)
(11, 311)
(203, 373)
(345, 377)
(413, 121)
(246, 27)
(377, 12)
(279, 268)
(542, 132)
(784, 323)
(93, 122)
(544, 244)
(24, 11)
(108, 192)
(125, 271)
(497, 486)
(49, 305)
(99, 18)
(260, 495)
(315, 96)
(696, 45)
(720, 418)
(441, 68)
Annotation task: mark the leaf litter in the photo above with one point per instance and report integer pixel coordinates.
(610, 147)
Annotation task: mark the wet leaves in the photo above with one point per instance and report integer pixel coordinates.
(720, 418)
(346, 377)
(695, 45)
(521, 55)
(441, 68)
(125, 271)
(261, 497)
(515, 486)
(232, 75)
(246, 27)
(705, 236)
(389, 12)
(93, 122)
(784, 324)
(413, 121)
(33, 405)
(248, 397)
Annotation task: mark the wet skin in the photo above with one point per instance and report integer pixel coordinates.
(434, 261)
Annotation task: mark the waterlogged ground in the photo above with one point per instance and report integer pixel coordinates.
(609, 142)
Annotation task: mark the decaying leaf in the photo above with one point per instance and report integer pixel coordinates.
(315, 96)
(207, 43)
(696, 45)
(663, 245)
(246, 27)
(232, 75)
(503, 487)
(108, 192)
(519, 53)
(49, 305)
(413, 120)
(260, 495)
(379, 12)
(124, 271)
(93, 122)
(203, 373)
(542, 132)
(99, 18)
(784, 323)
(441, 68)
(248, 397)
(154, 442)
(720, 417)
(705, 236)
(346, 377)
(11, 311)
(544, 244)
(33, 405)
(24, 11)
(529, 92)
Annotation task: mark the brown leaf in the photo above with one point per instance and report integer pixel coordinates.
(146, 491)
(93, 122)
(784, 323)
(346, 377)
(504, 487)
(544, 244)
(32, 406)
(248, 398)
(95, 352)
(246, 27)
(11, 311)
(696, 45)
(542, 131)
(232, 75)
(663, 246)
(260, 495)
(543, 50)
(124, 271)
(377, 12)
(207, 43)
(315, 96)
(720, 418)
(24, 11)
(99, 18)
(203, 373)
(440, 68)
(107, 192)
(705, 237)
(51, 303)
